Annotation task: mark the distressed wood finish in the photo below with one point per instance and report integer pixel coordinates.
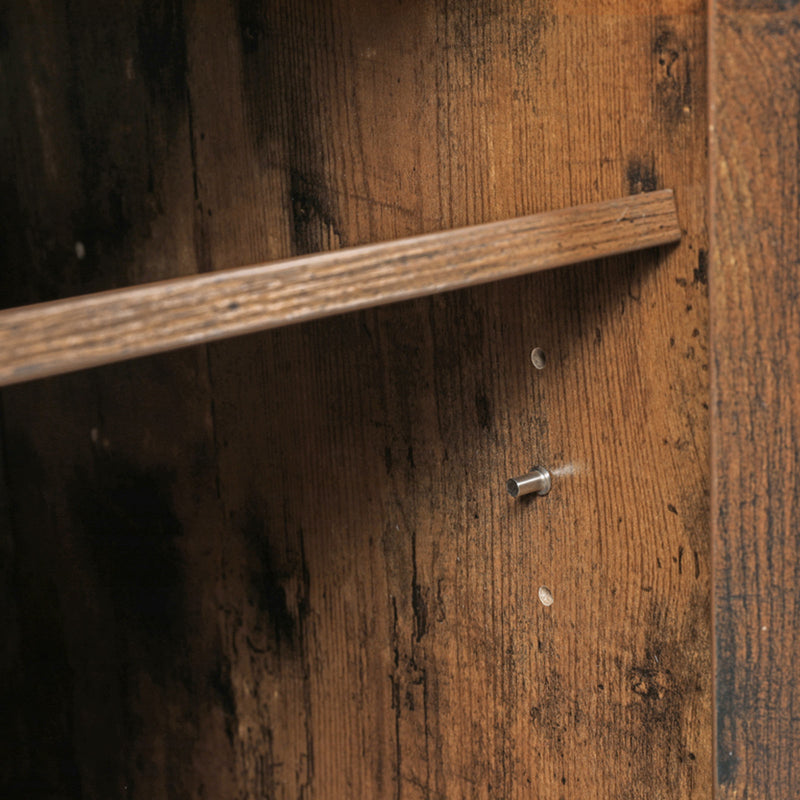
(286, 565)
(63, 336)
(755, 86)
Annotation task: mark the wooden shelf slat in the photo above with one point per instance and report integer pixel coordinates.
(86, 331)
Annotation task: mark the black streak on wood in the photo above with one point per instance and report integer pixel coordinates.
(161, 37)
(641, 175)
(133, 533)
(37, 691)
(673, 87)
(266, 582)
(701, 272)
(312, 214)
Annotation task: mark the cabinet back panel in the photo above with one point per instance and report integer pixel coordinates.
(286, 565)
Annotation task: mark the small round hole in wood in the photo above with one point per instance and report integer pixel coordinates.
(545, 596)
(538, 358)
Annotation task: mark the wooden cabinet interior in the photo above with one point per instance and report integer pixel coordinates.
(286, 565)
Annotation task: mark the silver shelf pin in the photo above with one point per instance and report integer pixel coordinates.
(537, 481)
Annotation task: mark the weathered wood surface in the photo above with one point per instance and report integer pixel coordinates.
(61, 336)
(755, 227)
(287, 565)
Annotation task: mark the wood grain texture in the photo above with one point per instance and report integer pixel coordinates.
(755, 61)
(286, 565)
(62, 336)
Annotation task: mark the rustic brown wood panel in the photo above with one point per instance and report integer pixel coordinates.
(46, 339)
(286, 565)
(756, 394)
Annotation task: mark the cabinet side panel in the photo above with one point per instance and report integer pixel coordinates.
(754, 62)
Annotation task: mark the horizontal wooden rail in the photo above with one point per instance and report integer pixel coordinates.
(66, 335)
